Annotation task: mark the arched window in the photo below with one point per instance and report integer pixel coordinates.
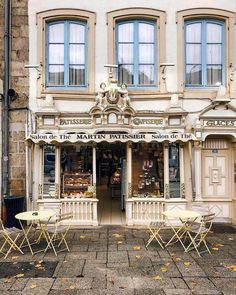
(112, 118)
(66, 54)
(136, 52)
(204, 52)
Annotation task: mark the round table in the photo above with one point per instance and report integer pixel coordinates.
(42, 215)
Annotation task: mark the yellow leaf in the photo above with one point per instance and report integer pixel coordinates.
(71, 287)
(38, 265)
(163, 269)
(32, 286)
(117, 235)
(137, 256)
(40, 261)
(119, 242)
(8, 280)
(231, 239)
(177, 259)
(167, 264)
(172, 254)
(214, 248)
(187, 263)
(82, 237)
(231, 267)
(157, 278)
(14, 257)
(219, 245)
(136, 248)
(19, 275)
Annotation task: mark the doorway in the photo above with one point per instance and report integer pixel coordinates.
(110, 183)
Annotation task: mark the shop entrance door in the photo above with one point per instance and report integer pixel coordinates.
(110, 168)
(215, 173)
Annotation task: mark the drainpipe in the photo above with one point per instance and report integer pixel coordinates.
(5, 122)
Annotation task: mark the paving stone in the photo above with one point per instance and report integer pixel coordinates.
(118, 257)
(177, 291)
(81, 255)
(179, 283)
(190, 270)
(226, 285)
(70, 269)
(149, 292)
(201, 286)
(38, 286)
(19, 284)
(167, 269)
(94, 270)
(72, 283)
(152, 283)
(115, 282)
(6, 283)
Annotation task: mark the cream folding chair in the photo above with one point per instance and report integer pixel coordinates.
(56, 234)
(10, 237)
(154, 227)
(197, 232)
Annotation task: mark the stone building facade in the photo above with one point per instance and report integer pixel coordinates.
(18, 106)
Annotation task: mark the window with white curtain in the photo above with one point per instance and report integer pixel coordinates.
(66, 54)
(204, 52)
(136, 52)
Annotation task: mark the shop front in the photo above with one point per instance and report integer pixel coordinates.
(141, 158)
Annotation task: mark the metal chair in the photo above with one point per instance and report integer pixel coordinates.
(197, 232)
(10, 237)
(154, 227)
(56, 234)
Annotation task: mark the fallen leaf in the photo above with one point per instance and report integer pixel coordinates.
(231, 239)
(218, 245)
(137, 256)
(119, 242)
(167, 264)
(38, 265)
(14, 257)
(82, 237)
(163, 269)
(19, 275)
(177, 259)
(157, 278)
(32, 286)
(15, 262)
(215, 249)
(231, 267)
(187, 263)
(71, 287)
(135, 248)
(40, 261)
(172, 254)
(7, 280)
(193, 283)
(117, 235)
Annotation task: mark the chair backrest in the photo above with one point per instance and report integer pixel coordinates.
(206, 220)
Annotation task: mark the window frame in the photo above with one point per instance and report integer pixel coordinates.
(229, 18)
(136, 44)
(203, 51)
(77, 15)
(145, 14)
(66, 23)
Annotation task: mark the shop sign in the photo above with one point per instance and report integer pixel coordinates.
(75, 121)
(148, 121)
(219, 123)
(77, 137)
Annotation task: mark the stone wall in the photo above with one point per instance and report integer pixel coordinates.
(20, 83)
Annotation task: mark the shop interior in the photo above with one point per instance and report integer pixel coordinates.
(110, 182)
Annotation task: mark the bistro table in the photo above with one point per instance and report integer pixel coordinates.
(185, 216)
(34, 216)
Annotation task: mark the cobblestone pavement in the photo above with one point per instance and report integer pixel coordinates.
(114, 260)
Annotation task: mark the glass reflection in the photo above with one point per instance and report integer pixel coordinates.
(49, 171)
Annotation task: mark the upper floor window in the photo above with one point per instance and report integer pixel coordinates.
(66, 54)
(136, 53)
(204, 53)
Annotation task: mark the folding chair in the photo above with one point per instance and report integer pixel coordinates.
(56, 235)
(154, 227)
(198, 231)
(10, 236)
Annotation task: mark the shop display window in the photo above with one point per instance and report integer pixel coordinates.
(147, 170)
(76, 171)
(174, 171)
(49, 171)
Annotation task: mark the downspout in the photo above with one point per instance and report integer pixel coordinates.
(5, 123)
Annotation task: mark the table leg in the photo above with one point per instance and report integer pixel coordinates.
(26, 236)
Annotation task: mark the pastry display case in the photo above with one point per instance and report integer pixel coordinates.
(76, 184)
